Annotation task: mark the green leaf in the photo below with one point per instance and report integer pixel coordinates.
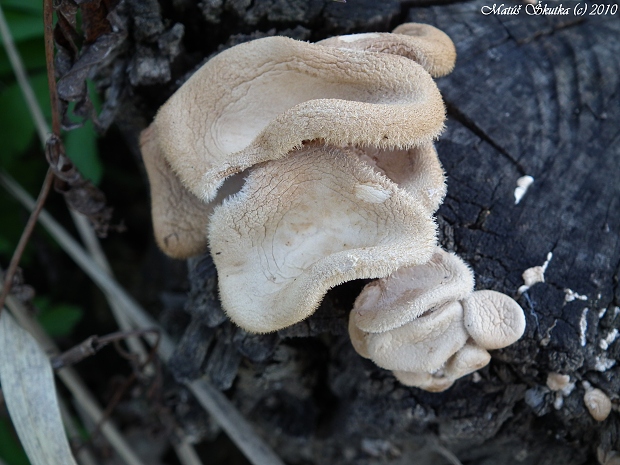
(16, 125)
(13, 217)
(6, 246)
(33, 6)
(58, 320)
(32, 53)
(81, 147)
(10, 449)
(23, 25)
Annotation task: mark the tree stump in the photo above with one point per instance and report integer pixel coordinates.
(531, 95)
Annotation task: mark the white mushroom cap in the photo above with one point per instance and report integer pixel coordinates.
(422, 345)
(467, 360)
(493, 319)
(557, 381)
(425, 44)
(305, 223)
(416, 170)
(423, 380)
(179, 218)
(470, 358)
(408, 293)
(597, 403)
(261, 99)
(441, 315)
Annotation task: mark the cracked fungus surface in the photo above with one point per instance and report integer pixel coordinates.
(325, 220)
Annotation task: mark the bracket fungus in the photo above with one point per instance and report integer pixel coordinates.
(289, 250)
(425, 44)
(302, 166)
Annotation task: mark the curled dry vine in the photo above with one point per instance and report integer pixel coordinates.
(80, 194)
(93, 344)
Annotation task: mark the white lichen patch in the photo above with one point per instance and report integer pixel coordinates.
(603, 363)
(523, 184)
(534, 275)
(355, 37)
(583, 326)
(572, 295)
(611, 337)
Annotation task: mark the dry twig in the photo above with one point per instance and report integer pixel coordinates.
(39, 120)
(25, 237)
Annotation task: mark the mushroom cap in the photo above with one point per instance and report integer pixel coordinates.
(557, 381)
(179, 218)
(424, 380)
(493, 319)
(422, 345)
(597, 403)
(305, 223)
(411, 291)
(467, 360)
(425, 44)
(416, 170)
(259, 100)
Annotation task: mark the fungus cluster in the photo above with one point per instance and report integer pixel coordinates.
(428, 325)
(302, 166)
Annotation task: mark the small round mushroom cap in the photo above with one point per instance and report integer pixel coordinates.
(422, 345)
(468, 359)
(259, 100)
(493, 319)
(597, 403)
(557, 381)
(411, 291)
(425, 44)
(306, 223)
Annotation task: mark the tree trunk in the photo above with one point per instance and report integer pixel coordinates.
(531, 95)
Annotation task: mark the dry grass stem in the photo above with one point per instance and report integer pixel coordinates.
(74, 384)
(91, 241)
(186, 453)
(214, 402)
(22, 80)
